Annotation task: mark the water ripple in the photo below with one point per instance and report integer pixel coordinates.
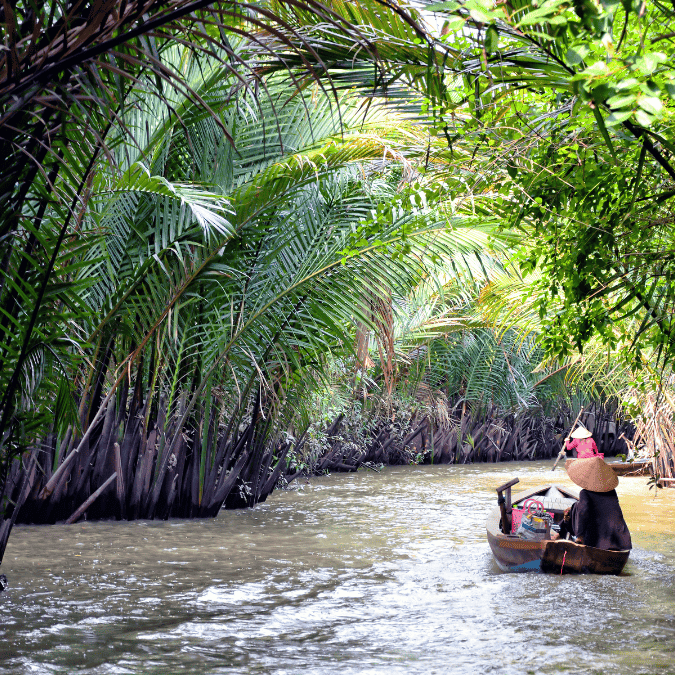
(362, 573)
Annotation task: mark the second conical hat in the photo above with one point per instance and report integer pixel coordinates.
(592, 474)
(581, 432)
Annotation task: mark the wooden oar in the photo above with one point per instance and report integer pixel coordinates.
(561, 454)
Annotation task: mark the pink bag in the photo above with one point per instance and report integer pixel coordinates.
(530, 506)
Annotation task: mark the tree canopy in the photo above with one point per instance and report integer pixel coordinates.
(209, 206)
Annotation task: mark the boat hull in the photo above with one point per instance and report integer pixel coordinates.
(568, 556)
(513, 554)
(516, 555)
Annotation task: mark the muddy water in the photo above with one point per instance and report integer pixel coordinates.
(361, 573)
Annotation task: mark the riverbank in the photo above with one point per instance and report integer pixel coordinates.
(355, 573)
(450, 435)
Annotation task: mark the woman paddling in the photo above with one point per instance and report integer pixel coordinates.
(582, 441)
(596, 519)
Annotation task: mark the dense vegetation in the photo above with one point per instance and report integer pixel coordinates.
(227, 225)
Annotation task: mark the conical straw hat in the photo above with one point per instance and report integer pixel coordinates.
(581, 432)
(592, 474)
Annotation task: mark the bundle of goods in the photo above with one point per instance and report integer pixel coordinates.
(531, 522)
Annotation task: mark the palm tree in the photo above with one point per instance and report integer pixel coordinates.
(75, 83)
(213, 278)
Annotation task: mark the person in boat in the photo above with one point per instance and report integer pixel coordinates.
(582, 441)
(596, 519)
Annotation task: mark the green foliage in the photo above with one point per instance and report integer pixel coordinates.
(214, 218)
(117, 125)
(575, 101)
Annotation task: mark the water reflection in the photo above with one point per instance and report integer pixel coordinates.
(366, 573)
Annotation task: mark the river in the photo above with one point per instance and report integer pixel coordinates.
(352, 573)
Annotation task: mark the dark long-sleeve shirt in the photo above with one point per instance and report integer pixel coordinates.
(597, 518)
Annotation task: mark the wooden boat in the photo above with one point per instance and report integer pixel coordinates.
(514, 554)
(640, 467)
